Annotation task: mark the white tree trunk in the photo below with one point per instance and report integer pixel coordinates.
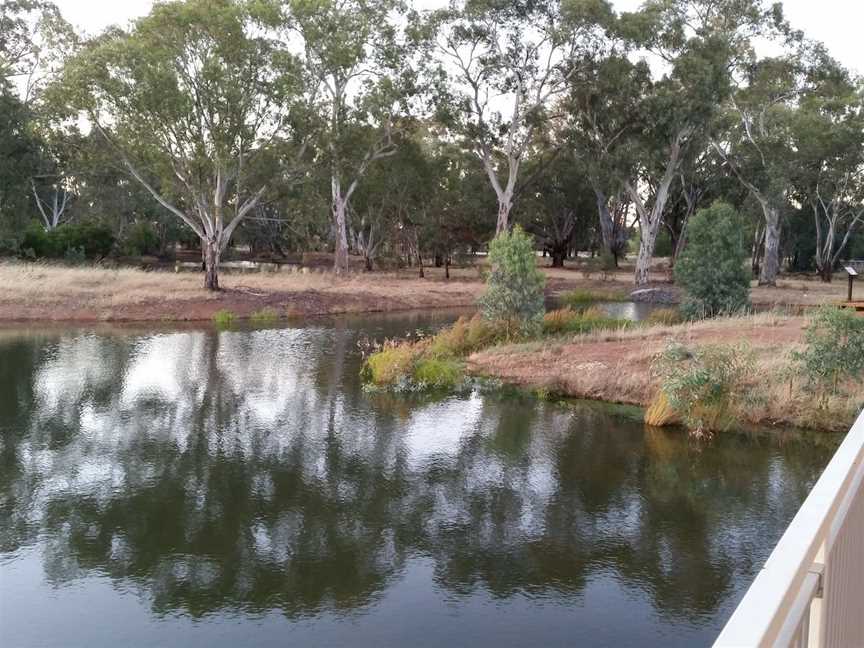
(340, 264)
(771, 259)
(212, 251)
(647, 243)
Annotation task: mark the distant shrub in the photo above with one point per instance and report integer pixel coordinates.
(702, 386)
(712, 268)
(90, 239)
(223, 318)
(514, 291)
(437, 374)
(664, 316)
(140, 239)
(834, 349)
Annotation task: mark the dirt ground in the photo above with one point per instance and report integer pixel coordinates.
(38, 291)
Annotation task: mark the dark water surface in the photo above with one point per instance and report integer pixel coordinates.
(203, 488)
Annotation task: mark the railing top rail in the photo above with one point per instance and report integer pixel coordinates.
(762, 613)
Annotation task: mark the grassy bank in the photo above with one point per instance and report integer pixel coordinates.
(620, 366)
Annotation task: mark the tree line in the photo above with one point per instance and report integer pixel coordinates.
(374, 128)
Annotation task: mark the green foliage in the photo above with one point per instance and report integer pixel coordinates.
(712, 268)
(70, 241)
(834, 349)
(140, 239)
(703, 386)
(437, 374)
(394, 362)
(514, 292)
(223, 318)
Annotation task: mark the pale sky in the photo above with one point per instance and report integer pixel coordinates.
(836, 23)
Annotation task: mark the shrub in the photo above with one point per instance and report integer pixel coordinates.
(223, 318)
(514, 293)
(712, 268)
(834, 349)
(88, 239)
(703, 386)
(141, 239)
(437, 374)
(664, 316)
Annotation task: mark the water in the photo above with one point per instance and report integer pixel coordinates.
(197, 488)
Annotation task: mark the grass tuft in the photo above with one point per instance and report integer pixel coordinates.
(264, 316)
(224, 318)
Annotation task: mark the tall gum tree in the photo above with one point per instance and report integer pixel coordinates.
(497, 66)
(362, 81)
(195, 96)
(697, 45)
(828, 141)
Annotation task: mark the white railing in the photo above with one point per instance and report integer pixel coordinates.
(810, 593)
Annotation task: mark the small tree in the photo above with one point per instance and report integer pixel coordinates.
(514, 293)
(834, 351)
(712, 268)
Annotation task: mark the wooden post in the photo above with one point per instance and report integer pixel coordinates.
(852, 274)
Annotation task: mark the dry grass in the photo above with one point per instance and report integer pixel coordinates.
(30, 291)
(616, 366)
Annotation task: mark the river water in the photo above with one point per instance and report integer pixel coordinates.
(239, 488)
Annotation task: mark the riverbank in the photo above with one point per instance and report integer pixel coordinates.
(616, 366)
(46, 292)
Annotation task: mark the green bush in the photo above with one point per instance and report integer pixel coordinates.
(834, 349)
(89, 240)
(702, 386)
(514, 291)
(437, 374)
(712, 267)
(141, 239)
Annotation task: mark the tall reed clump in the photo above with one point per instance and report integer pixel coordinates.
(568, 320)
(702, 388)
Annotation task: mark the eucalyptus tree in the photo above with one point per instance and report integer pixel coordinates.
(827, 133)
(603, 112)
(362, 77)
(34, 41)
(199, 104)
(696, 44)
(497, 67)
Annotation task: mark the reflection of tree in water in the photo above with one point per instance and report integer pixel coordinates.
(248, 470)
